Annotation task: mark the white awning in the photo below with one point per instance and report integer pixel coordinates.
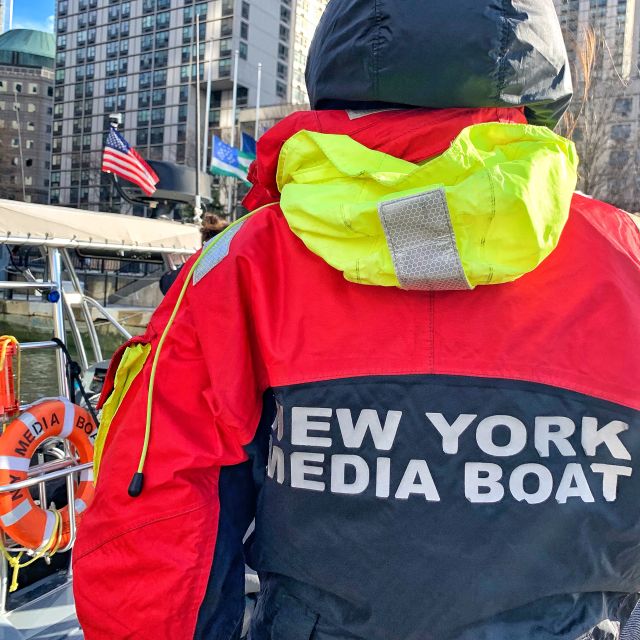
(45, 225)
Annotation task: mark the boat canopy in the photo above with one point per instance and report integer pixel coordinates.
(45, 225)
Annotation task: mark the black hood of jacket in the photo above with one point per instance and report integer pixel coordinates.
(439, 54)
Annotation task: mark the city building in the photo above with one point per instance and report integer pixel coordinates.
(26, 108)
(1, 16)
(136, 59)
(307, 16)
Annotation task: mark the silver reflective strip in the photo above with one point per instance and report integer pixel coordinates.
(86, 475)
(28, 420)
(80, 505)
(69, 415)
(14, 463)
(217, 253)
(48, 530)
(422, 243)
(9, 519)
(355, 114)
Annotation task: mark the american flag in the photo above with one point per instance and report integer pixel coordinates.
(123, 160)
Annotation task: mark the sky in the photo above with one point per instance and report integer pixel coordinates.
(32, 14)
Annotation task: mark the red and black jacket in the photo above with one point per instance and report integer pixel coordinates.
(420, 465)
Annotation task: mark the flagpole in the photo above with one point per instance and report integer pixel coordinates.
(255, 135)
(205, 137)
(234, 106)
(197, 206)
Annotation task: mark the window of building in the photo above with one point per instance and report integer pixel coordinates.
(162, 39)
(146, 43)
(124, 47)
(227, 7)
(623, 106)
(201, 10)
(148, 6)
(245, 9)
(620, 131)
(110, 104)
(114, 14)
(123, 65)
(157, 116)
(110, 85)
(61, 58)
(112, 50)
(161, 59)
(243, 96)
(243, 50)
(159, 96)
(111, 67)
(146, 62)
(90, 71)
(59, 76)
(187, 14)
(224, 68)
(225, 47)
(61, 42)
(142, 137)
(144, 98)
(285, 15)
(124, 29)
(91, 54)
(183, 112)
(284, 33)
(281, 90)
(57, 128)
(82, 21)
(125, 10)
(184, 94)
(61, 26)
(283, 71)
(160, 77)
(283, 52)
(226, 27)
(145, 80)
(63, 7)
(122, 84)
(157, 135)
(143, 117)
(93, 18)
(122, 103)
(147, 23)
(244, 30)
(91, 36)
(163, 20)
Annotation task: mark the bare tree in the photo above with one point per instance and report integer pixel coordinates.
(595, 122)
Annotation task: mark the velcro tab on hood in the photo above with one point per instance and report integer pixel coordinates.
(488, 210)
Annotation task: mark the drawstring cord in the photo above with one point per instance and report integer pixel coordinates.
(137, 482)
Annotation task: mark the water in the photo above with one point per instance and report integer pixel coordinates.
(38, 379)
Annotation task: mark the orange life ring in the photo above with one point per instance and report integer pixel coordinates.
(20, 517)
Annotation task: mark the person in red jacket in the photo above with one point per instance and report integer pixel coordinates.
(415, 364)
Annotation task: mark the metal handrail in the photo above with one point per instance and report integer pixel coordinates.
(108, 316)
(19, 284)
(51, 475)
(42, 344)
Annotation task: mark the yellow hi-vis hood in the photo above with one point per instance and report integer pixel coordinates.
(488, 210)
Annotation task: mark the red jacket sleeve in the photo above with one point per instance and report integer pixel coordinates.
(142, 564)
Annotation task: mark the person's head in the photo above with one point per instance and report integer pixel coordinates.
(439, 54)
(211, 226)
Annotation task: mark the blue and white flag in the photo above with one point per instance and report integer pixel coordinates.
(249, 145)
(227, 160)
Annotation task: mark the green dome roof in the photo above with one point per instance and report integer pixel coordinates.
(27, 48)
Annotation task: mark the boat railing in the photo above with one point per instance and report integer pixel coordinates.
(38, 476)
